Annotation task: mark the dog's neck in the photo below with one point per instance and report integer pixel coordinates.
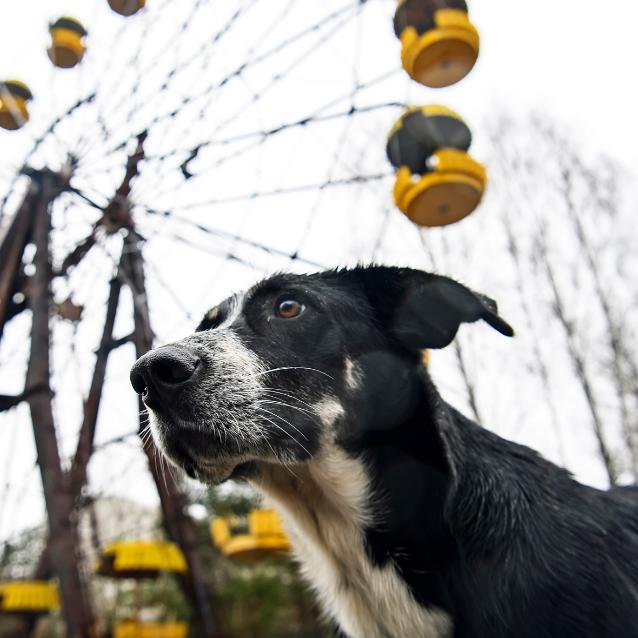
(327, 509)
(328, 494)
(338, 509)
(361, 485)
(331, 486)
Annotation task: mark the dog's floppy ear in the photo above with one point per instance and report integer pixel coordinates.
(423, 310)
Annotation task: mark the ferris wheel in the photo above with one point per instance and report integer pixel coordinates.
(175, 152)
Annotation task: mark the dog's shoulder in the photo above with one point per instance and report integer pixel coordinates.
(497, 535)
(539, 542)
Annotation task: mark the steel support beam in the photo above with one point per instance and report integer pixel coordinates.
(63, 536)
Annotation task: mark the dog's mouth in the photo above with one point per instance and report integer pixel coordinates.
(215, 474)
(215, 440)
(211, 457)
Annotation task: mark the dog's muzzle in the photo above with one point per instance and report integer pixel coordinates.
(188, 406)
(161, 376)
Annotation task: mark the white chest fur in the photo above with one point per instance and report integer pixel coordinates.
(322, 503)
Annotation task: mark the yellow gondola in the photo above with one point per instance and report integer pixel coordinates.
(67, 42)
(140, 559)
(131, 629)
(446, 195)
(439, 44)
(14, 96)
(254, 537)
(437, 182)
(126, 7)
(28, 597)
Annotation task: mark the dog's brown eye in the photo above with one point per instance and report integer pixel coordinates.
(289, 308)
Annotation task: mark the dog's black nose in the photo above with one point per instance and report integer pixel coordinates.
(161, 374)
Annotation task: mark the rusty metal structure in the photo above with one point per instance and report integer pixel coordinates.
(63, 489)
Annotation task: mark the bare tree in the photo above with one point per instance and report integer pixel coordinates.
(567, 234)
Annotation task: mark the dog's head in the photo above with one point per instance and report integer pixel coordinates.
(299, 362)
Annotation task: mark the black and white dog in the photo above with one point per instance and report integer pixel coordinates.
(410, 520)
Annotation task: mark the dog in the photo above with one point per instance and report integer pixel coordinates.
(409, 520)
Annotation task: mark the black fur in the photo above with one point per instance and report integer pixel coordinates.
(508, 544)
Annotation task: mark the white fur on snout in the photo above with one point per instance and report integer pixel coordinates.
(223, 404)
(232, 386)
(325, 504)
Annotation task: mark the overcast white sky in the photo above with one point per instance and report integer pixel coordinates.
(572, 61)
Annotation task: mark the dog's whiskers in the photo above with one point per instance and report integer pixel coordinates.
(288, 434)
(156, 460)
(146, 439)
(272, 449)
(263, 411)
(283, 368)
(171, 470)
(288, 395)
(287, 405)
(282, 418)
(145, 434)
(165, 471)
